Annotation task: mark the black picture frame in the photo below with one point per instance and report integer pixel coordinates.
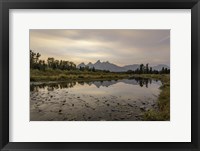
(5, 5)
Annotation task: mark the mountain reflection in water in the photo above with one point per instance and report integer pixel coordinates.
(114, 100)
(69, 84)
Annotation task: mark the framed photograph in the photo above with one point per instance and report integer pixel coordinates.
(99, 75)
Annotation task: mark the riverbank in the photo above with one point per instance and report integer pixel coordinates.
(163, 111)
(59, 75)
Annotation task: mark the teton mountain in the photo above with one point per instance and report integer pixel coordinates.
(115, 68)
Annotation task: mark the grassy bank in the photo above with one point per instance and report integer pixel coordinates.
(59, 75)
(163, 111)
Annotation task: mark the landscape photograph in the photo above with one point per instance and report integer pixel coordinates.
(99, 74)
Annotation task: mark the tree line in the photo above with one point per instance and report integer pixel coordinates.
(51, 63)
(149, 70)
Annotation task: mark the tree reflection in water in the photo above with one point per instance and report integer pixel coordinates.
(69, 84)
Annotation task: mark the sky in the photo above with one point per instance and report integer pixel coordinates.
(118, 46)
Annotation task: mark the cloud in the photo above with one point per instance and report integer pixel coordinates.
(121, 46)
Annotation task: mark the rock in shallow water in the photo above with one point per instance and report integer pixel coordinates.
(142, 108)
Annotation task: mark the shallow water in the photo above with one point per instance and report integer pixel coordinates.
(116, 100)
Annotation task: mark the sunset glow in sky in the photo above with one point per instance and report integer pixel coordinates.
(118, 46)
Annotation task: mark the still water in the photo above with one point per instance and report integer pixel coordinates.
(115, 100)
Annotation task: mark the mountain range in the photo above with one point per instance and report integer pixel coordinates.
(115, 68)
